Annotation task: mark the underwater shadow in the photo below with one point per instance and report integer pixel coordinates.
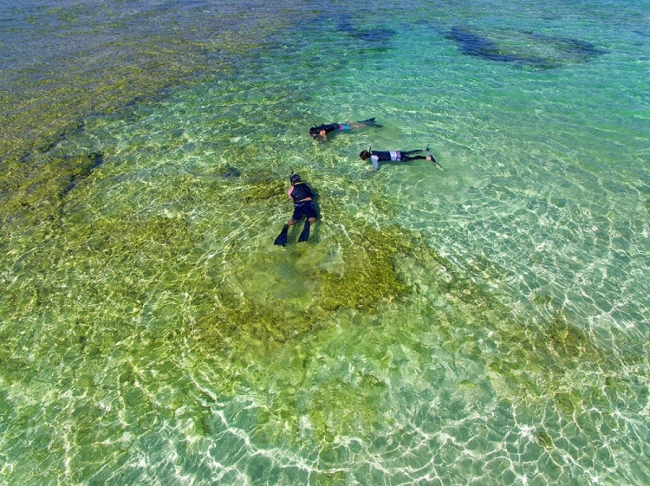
(526, 49)
(369, 35)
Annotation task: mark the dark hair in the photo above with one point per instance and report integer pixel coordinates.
(313, 131)
(294, 178)
(365, 155)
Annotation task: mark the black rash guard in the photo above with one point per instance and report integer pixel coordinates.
(301, 191)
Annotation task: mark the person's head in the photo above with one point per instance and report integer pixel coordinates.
(365, 155)
(294, 178)
(314, 132)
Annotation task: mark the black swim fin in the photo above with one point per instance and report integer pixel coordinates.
(370, 122)
(281, 240)
(433, 159)
(304, 236)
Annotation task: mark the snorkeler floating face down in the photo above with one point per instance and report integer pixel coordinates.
(376, 156)
(303, 201)
(323, 130)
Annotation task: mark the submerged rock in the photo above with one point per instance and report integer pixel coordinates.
(230, 173)
(82, 167)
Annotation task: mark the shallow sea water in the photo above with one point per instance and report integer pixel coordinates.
(485, 323)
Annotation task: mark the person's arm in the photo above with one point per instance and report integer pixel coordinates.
(375, 162)
(289, 192)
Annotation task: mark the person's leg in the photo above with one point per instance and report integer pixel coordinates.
(298, 213)
(311, 216)
(304, 235)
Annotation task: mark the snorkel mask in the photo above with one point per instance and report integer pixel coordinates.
(294, 178)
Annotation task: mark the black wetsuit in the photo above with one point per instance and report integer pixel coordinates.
(386, 156)
(331, 127)
(302, 208)
(301, 191)
(394, 156)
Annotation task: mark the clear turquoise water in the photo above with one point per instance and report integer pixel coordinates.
(483, 324)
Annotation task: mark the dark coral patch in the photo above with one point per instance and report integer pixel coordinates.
(368, 35)
(536, 51)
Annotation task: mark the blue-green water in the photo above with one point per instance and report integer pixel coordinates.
(484, 324)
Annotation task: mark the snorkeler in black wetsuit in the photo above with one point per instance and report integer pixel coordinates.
(376, 156)
(303, 205)
(323, 130)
